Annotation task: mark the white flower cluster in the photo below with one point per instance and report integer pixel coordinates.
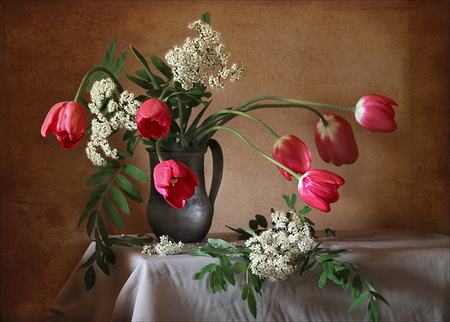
(165, 247)
(275, 251)
(119, 113)
(203, 59)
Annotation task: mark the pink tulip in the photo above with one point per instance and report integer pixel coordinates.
(153, 118)
(291, 152)
(175, 182)
(68, 121)
(335, 142)
(375, 113)
(318, 188)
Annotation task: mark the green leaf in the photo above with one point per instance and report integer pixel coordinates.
(89, 278)
(91, 222)
(108, 59)
(128, 188)
(328, 268)
(140, 82)
(251, 302)
(206, 18)
(305, 210)
(227, 269)
(120, 63)
(241, 266)
(103, 231)
(198, 253)
(373, 312)
(146, 66)
(131, 146)
(358, 301)
(253, 224)
(205, 269)
(135, 173)
(98, 177)
(312, 266)
(322, 279)
(245, 291)
(128, 134)
(221, 242)
(327, 257)
(120, 199)
(89, 206)
(380, 297)
(356, 286)
(161, 66)
(262, 221)
(112, 213)
(214, 283)
(291, 201)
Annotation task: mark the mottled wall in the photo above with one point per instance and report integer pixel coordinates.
(326, 51)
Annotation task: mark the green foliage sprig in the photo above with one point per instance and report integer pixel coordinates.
(342, 273)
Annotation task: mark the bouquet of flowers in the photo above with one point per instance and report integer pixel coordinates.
(171, 113)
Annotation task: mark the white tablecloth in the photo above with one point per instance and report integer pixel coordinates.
(410, 268)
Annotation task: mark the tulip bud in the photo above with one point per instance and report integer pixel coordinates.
(375, 113)
(291, 152)
(153, 118)
(175, 182)
(318, 188)
(335, 142)
(67, 120)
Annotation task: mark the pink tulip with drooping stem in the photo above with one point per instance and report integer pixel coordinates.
(67, 120)
(292, 152)
(335, 140)
(375, 113)
(153, 119)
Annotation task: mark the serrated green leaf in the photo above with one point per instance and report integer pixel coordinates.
(161, 66)
(358, 301)
(135, 173)
(98, 177)
(113, 213)
(129, 189)
(89, 278)
(204, 270)
(120, 199)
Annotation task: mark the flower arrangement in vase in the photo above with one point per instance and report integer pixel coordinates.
(171, 115)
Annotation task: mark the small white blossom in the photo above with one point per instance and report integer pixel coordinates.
(275, 251)
(111, 115)
(164, 247)
(202, 59)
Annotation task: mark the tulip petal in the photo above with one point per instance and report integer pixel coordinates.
(313, 200)
(51, 119)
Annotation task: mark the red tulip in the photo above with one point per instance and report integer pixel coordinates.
(291, 152)
(153, 118)
(175, 182)
(67, 120)
(375, 113)
(335, 142)
(318, 188)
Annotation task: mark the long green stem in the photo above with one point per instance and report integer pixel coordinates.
(246, 141)
(184, 142)
(251, 117)
(88, 76)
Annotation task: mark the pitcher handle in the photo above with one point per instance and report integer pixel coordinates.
(217, 158)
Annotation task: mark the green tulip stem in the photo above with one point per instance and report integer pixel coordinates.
(264, 125)
(181, 116)
(168, 136)
(89, 75)
(246, 141)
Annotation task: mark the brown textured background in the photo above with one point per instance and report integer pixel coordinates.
(326, 51)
